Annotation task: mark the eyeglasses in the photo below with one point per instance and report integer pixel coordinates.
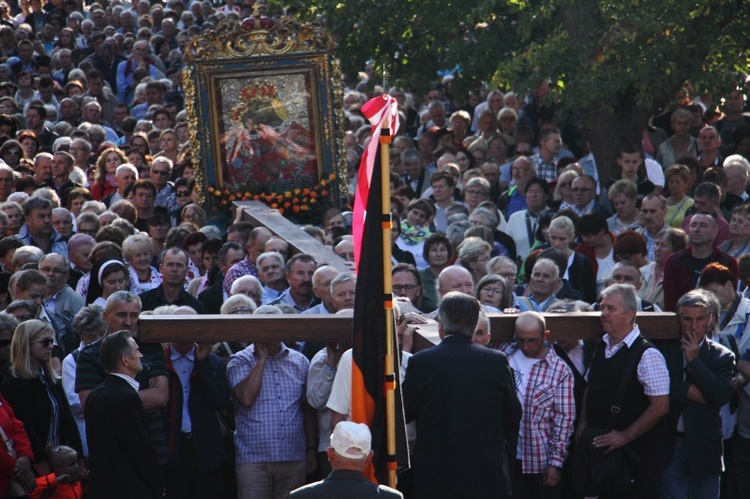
(527, 341)
(509, 275)
(48, 270)
(475, 193)
(507, 118)
(183, 194)
(45, 342)
(241, 310)
(404, 287)
(159, 172)
(492, 290)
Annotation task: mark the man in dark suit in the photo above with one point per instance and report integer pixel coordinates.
(171, 291)
(445, 388)
(123, 461)
(696, 464)
(349, 454)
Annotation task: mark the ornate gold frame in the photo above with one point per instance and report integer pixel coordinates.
(262, 46)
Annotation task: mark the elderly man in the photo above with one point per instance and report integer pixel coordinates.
(626, 272)
(81, 151)
(43, 169)
(544, 283)
(268, 387)
(121, 313)
(79, 250)
(271, 273)
(299, 271)
(549, 147)
(349, 454)
(445, 383)
(681, 270)
(646, 401)
(696, 465)
(38, 230)
(737, 168)
(60, 298)
(160, 175)
(321, 288)
(415, 176)
(514, 199)
(62, 221)
(547, 422)
(584, 196)
(125, 175)
(125, 70)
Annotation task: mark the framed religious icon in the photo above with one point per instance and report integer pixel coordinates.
(264, 104)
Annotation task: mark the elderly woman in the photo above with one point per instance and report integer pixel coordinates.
(138, 251)
(495, 291)
(437, 253)
(249, 286)
(579, 272)
(89, 325)
(415, 229)
(623, 194)
(678, 202)
(668, 241)
(194, 214)
(473, 255)
(476, 191)
(15, 217)
(508, 119)
(739, 229)
(522, 224)
(486, 215)
(34, 391)
(239, 304)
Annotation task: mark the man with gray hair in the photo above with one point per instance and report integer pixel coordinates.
(125, 175)
(62, 221)
(514, 199)
(161, 173)
(696, 466)
(270, 267)
(442, 386)
(640, 422)
(415, 176)
(60, 298)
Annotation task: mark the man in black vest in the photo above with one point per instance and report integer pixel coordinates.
(646, 397)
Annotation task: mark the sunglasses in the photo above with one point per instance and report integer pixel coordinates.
(183, 194)
(45, 342)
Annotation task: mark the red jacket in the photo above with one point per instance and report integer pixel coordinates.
(14, 430)
(679, 275)
(47, 486)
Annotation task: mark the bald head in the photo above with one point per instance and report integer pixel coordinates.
(455, 278)
(321, 284)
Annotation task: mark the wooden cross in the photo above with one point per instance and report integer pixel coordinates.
(249, 328)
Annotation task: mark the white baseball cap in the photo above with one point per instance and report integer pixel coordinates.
(351, 440)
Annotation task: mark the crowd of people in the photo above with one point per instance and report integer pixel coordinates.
(497, 209)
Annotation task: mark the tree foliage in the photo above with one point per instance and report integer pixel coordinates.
(612, 63)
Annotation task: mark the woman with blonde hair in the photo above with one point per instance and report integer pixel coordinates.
(34, 391)
(473, 255)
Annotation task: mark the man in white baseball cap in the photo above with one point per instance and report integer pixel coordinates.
(349, 454)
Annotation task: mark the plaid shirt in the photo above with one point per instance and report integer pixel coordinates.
(243, 267)
(272, 429)
(547, 171)
(548, 413)
(652, 368)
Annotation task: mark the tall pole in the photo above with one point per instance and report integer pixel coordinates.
(390, 376)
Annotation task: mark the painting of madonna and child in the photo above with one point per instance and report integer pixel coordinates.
(267, 130)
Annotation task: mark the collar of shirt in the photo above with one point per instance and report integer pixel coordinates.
(175, 355)
(131, 381)
(628, 340)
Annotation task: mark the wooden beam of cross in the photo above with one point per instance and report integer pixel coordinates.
(249, 328)
(260, 215)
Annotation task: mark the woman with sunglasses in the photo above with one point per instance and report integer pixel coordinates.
(34, 391)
